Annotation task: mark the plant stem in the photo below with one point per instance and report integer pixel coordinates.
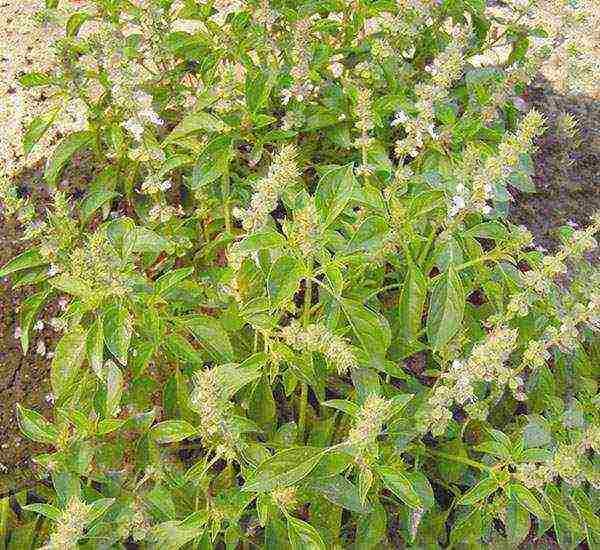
(460, 459)
(302, 411)
(304, 385)
(225, 190)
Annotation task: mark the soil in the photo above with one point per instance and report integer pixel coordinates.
(567, 173)
(24, 379)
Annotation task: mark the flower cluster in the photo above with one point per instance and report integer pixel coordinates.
(486, 363)
(283, 172)
(301, 88)
(445, 69)
(285, 497)
(369, 422)
(214, 411)
(305, 231)
(70, 526)
(496, 169)
(317, 338)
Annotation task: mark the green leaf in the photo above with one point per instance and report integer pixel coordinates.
(65, 150)
(284, 468)
(118, 330)
(447, 253)
(25, 260)
(195, 122)
(36, 427)
(182, 350)
(98, 508)
(171, 431)
(27, 313)
(370, 235)
(209, 332)
(37, 128)
(412, 300)
(446, 309)
(400, 486)
(68, 357)
(44, 509)
(74, 286)
(114, 389)
(493, 448)
(171, 279)
(339, 491)
(481, 491)
(145, 240)
(489, 230)
(75, 21)
(95, 347)
(422, 487)
(468, 528)
(263, 408)
(333, 193)
(261, 240)
(527, 499)
(211, 167)
(93, 202)
(258, 88)
(371, 529)
(303, 536)
(518, 522)
(371, 328)
(232, 378)
(32, 80)
(343, 405)
(108, 425)
(172, 535)
(284, 280)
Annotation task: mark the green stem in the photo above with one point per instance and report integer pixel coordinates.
(302, 411)
(225, 190)
(460, 459)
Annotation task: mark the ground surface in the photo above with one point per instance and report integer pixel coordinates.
(567, 174)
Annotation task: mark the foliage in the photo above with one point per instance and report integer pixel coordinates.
(297, 316)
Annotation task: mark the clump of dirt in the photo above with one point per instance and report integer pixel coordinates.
(567, 172)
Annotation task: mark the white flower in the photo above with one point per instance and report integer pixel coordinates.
(286, 95)
(52, 270)
(150, 115)
(41, 348)
(337, 69)
(39, 326)
(152, 185)
(458, 203)
(399, 118)
(134, 127)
